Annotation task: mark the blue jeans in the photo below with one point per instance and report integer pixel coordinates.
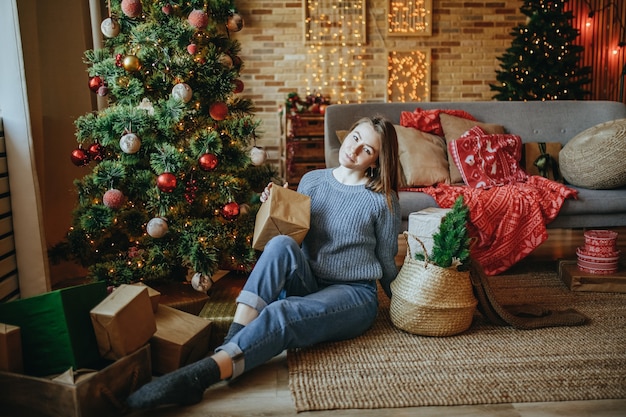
(295, 308)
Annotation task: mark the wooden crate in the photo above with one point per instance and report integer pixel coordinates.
(306, 150)
(577, 280)
(305, 125)
(296, 170)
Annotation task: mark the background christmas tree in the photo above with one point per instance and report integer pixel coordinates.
(543, 63)
(175, 171)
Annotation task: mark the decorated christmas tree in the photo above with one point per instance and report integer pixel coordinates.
(174, 170)
(543, 63)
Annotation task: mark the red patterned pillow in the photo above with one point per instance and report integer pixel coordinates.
(488, 160)
(428, 120)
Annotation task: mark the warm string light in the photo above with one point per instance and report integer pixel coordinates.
(335, 36)
(408, 17)
(408, 76)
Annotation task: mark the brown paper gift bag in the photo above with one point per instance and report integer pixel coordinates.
(286, 212)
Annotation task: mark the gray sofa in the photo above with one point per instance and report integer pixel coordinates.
(539, 121)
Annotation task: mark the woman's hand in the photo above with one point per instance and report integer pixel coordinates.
(266, 192)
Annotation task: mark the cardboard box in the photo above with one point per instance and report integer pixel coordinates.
(124, 321)
(577, 280)
(286, 212)
(181, 338)
(87, 393)
(424, 224)
(56, 328)
(10, 349)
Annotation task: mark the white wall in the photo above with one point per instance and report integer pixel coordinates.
(25, 201)
(43, 89)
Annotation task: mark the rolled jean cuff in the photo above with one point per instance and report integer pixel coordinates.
(252, 300)
(236, 355)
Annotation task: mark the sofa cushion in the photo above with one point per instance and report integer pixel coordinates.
(595, 157)
(428, 120)
(423, 157)
(453, 128)
(487, 160)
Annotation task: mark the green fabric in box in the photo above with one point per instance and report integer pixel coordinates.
(56, 328)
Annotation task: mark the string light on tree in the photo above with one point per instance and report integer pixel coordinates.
(170, 67)
(543, 62)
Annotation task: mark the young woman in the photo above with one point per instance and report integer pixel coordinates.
(323, 291)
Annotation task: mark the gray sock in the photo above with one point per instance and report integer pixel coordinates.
(183, 386)
(232, 331)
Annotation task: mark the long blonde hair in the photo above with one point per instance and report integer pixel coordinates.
(384, 178)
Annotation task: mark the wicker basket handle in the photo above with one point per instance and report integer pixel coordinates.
(408, 247)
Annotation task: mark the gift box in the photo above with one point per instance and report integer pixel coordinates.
(577, 280)
(424, 224)
(155, 296)
(181, 338)
(82, 393)
(10, 349)
(124, 321)
(286, 212)
(542, 158)
(56, 328)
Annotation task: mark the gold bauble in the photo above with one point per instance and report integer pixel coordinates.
(123, 81)
(131, 63)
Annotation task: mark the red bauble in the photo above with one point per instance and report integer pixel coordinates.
(192, 48)
(79, 157)
(96, 152)
(167, 9)
(113, 199)
(131, 8)
(230, 210)
(208, 162)
(238, 86)
(218, 110)
(166, 182)
(95, 83)
(198, 19)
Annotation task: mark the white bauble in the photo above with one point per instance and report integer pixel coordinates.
(182, 92)
(201, 282)
(110, 27)
(157, 227)
(258, 155)
(130, 143)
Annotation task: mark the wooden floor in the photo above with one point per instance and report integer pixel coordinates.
(265, 391)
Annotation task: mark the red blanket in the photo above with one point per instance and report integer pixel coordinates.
(507, 221)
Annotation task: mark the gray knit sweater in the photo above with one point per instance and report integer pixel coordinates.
(353, 234)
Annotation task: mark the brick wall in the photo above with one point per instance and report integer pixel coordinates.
(467, 37)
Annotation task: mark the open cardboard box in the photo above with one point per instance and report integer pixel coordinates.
(83, 393)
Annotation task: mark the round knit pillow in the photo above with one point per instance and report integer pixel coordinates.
(595, 158)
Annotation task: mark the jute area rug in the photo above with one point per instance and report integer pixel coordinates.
(488, 364)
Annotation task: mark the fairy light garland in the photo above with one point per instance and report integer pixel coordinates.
(335, 34)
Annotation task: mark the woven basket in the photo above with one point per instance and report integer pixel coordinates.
(428, 300)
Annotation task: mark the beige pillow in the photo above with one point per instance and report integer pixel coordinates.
(422, 157)
(595, 157)
(453, 128)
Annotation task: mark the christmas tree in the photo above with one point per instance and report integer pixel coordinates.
(543, 61)
(175, 172)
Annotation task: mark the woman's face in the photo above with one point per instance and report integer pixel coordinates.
(360, 148)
